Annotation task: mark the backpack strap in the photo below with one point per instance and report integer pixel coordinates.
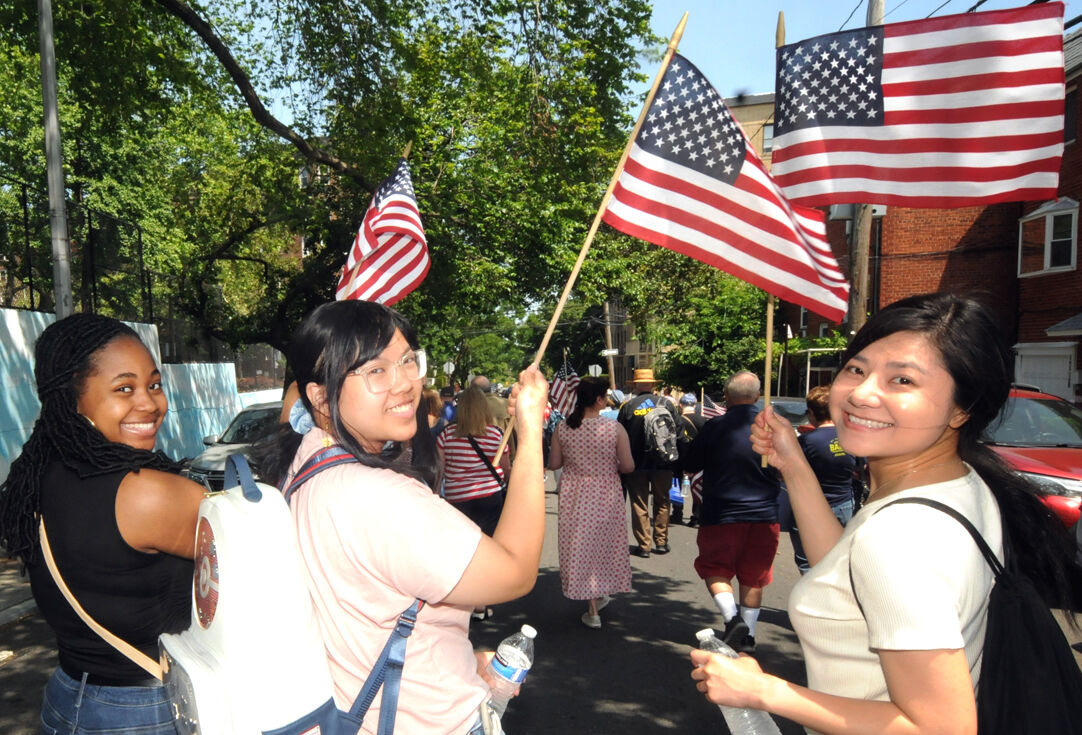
(986, 551)
(324, 459)
(387, 672)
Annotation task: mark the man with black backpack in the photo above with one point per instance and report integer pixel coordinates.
(651, 422)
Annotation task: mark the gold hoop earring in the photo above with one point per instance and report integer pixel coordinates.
(89, 419)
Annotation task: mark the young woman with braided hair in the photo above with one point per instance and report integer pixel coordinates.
(120, 520)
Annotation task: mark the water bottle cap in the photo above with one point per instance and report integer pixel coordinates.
(529, 631)
(705, 634)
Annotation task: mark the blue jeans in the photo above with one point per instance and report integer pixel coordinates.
(842, 511)
(72, 707)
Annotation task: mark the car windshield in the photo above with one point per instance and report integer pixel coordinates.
(250, 426)
(1037, 422)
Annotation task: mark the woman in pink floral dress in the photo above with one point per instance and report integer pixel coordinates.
(593, 451)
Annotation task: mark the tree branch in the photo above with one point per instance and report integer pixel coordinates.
(193, 20)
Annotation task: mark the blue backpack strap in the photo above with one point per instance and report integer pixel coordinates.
(324, 459)
(237, 472)
(387, 672)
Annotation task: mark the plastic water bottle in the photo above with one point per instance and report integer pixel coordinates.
(508, 668)
(685, 487)
(741, 720)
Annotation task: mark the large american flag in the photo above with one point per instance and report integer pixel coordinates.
(693, 184)
(564, 389)
(389, 257)
(943, 112)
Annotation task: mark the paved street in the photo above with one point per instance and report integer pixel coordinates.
(630, 677)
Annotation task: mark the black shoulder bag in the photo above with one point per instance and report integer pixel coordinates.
(1030, 683)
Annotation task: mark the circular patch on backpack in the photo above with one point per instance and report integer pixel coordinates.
(206, 574)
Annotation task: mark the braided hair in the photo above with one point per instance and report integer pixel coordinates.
(64, 357)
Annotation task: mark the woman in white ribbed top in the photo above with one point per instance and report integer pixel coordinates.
(919, 383)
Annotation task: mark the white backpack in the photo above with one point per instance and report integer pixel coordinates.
(253, 659)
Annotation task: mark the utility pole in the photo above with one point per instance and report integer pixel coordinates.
(861, 229)
(58, 218)
(608, 346)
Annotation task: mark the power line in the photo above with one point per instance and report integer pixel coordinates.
(851, 12)
(903, 2)
(946, 2)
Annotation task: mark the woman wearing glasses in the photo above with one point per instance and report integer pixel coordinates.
(375, 537)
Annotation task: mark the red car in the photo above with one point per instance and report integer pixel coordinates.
(1040, 435)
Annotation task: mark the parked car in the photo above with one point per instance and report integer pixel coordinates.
(247, 427)
(1040, 435)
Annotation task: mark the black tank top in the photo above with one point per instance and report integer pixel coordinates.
(134, 595)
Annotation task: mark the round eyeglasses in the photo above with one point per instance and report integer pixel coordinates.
(381, 375)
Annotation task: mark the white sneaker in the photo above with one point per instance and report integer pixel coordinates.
(605, 600)
(591, 621)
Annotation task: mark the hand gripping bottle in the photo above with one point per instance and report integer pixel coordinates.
(508, 668)
(741, 720)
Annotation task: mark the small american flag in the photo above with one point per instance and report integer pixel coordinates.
(389, 257)
(693, 184)
(952, 111)
(709, 409)
(564, 389)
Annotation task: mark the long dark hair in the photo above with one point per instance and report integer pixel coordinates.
(590, 389)
(64, 357)
(979, 359)
(332, 340)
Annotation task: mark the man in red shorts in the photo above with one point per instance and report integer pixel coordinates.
(738, 532)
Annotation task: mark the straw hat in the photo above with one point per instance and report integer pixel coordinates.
(644, 375)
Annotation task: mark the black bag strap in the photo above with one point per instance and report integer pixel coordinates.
(986, 551)
(484, 458)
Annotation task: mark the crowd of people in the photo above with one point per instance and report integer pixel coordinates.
(431, 510)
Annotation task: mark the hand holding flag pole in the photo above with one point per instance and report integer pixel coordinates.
(674, 41)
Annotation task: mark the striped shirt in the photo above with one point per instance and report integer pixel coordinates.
(465, 475)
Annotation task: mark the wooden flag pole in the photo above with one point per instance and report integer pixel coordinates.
(406, 151)
(673, 43)
(779, 41)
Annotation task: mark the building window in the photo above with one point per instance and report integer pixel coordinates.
(803, 322)
(1070, 116)
(1048, 239)
(768, 137)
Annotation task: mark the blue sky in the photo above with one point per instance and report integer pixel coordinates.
(732, 42)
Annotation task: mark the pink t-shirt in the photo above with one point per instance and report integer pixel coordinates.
(372, 540)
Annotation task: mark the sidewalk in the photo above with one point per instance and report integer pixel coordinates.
(15, 598)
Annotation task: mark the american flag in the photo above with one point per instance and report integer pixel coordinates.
(389, 257)
(708, 409)
(944, 112)
(564, 389)
(693, 184)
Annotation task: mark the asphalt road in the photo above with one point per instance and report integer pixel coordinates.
(630, 677)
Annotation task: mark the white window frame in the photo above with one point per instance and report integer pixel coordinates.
(768, 137)
(1049, 211)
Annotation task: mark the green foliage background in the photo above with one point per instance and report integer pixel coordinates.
(518, 112)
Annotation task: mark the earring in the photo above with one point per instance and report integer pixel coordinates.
(90, 420)
(325, 422)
